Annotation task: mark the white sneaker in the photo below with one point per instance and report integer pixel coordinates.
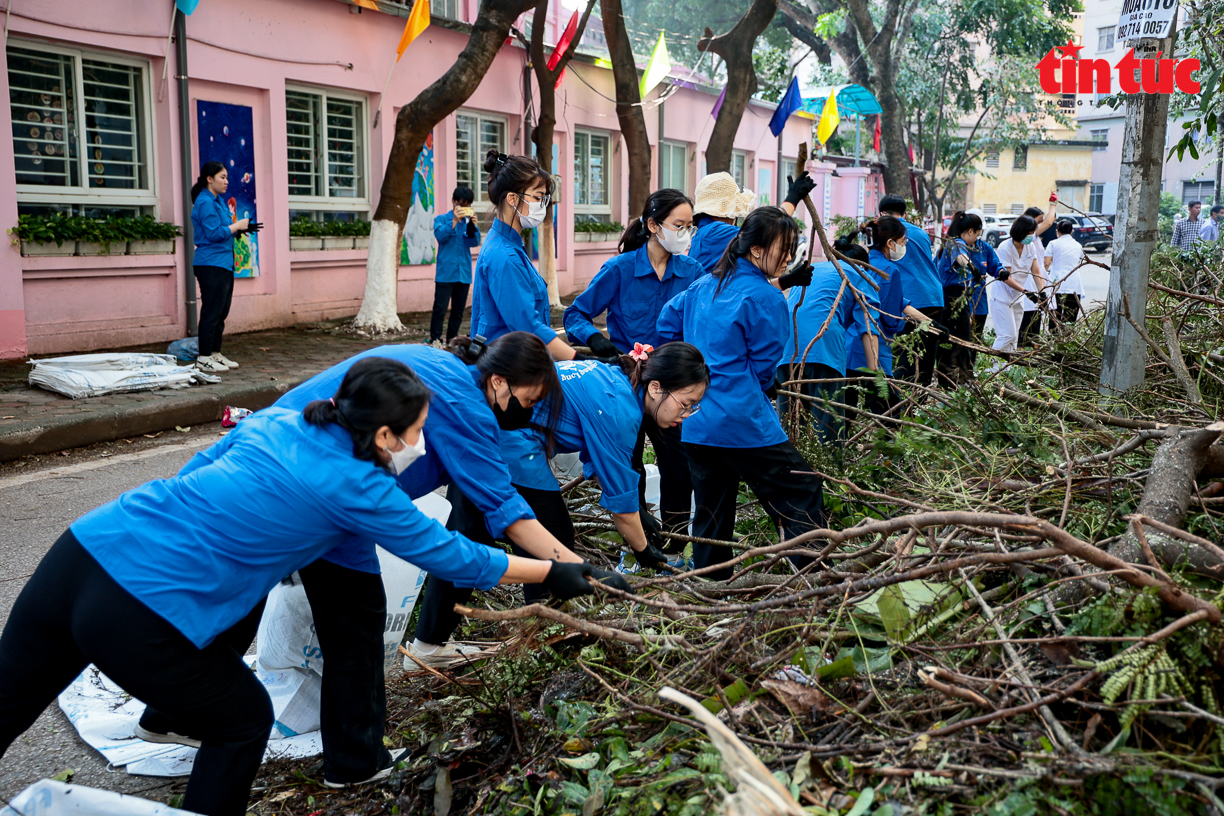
(168, 738)
(396, 754)
(210, 365)
(445, 655)
(223, 360)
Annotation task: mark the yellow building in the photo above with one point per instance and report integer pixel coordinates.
(1009, 181)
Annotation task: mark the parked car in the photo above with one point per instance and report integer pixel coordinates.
(1093, 231)
(996, 228)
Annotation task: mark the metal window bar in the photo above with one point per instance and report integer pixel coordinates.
(112, 126)
(301, 114)
(42, 110)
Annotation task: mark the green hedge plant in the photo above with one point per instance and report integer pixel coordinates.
(58, 228)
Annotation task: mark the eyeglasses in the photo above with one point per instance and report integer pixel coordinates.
(681, 232)
(543, 198)
(685, 410)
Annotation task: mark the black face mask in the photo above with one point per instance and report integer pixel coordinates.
(514, 416)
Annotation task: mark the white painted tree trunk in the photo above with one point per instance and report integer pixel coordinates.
(382, 267)
(548, 261)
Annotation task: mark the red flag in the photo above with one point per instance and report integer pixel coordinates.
(567, 37)
(875, 139)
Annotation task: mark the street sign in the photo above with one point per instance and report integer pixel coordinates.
(1147, 19)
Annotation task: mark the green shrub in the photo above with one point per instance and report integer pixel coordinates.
(44, 229)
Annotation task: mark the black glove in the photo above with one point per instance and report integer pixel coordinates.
(567, 580)
(802, 276)
(1004, 274)
(471, 228)
(979, 278)
(798, 188)
(1032, 296)
(253, 226)
(601, 346)
(943, 330)
(651, 557)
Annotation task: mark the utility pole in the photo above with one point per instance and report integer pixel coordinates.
(1147, 114)
(185, 165)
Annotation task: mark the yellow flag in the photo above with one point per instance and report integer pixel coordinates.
(370, 4)
(418, 21)
(828, 118)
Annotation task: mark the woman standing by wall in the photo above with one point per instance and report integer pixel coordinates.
(213, 228)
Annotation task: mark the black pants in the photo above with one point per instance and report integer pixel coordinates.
(953, 359)
(918, 364)
(438, 619)
(1030, 328)
(794, 501)
(456, 295)
(216, 294)
(830, 421)
(72, 613)
(1068, 308)
(675, 480)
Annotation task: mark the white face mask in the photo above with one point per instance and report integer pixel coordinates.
(671, 241)
(405, 456)
(535, 214)
(897, 254)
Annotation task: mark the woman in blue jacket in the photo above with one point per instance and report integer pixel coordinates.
(734, 316)
(964, 263)
(632, 287)
(509, 294)
(150, 587)
(822, 358)
(213, 229)
(456, 233)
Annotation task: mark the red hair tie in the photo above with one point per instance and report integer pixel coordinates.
(641, 351)
(332, 400)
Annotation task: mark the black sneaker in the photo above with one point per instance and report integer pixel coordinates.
(396, 753)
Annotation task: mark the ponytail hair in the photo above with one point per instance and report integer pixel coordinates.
(851, 249)
(764, 227)
(658, 207)
(512, 174)
(961, 222)
(375, 392)
(879, 231)
(209, 170)
(675, 366)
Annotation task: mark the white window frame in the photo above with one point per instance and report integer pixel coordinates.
(669, 147)
(1102, 137)
(1095, 190)
(992, 159)
(609, 177)
(479, 184)
(328, 202)
(85, 195)
(990, 209)
(439, 8)
(1017, 209)
(1110, 32)
(742, 179)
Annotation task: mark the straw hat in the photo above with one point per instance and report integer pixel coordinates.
(719, 195)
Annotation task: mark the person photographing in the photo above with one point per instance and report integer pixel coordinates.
(457, 234)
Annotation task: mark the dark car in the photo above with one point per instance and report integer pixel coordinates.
(1093, 231)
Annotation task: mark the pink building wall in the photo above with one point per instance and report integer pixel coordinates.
(248, 53)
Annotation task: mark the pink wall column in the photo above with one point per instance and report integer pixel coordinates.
(12, 296)
(822, 197)
(854, 199)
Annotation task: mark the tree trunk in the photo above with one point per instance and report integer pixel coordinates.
(412, 127)
(735, 47)
(628, 104)
(879, 47)
(545, 127)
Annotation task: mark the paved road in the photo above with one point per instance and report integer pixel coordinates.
(35, 508)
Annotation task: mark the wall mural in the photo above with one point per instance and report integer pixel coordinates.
(227, 134)
(418, 245)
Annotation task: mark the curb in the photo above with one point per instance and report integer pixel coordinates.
(117, 422)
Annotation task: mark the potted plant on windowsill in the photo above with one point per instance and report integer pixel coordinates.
(583, 231)
(305, 234)
(44, 235)
(148, 236)
(361, 234)
(607, 232)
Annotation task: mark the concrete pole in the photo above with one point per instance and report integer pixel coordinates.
(1147, 114)
(186, 167)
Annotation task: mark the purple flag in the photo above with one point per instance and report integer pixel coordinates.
(718, 104)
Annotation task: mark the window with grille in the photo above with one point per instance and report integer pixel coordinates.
(67, 164)
(992, 159)
(1096, 198)
(1102, 139)
(1197, 191)
(1105, 38)
(989, 209)
(1020, 158)
(739, 167)
(1017, 209)
(447, 9)
(592, 196)
(327, 152)
(475, 135)
(674, 166)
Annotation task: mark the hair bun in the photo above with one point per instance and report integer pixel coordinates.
(494, 161)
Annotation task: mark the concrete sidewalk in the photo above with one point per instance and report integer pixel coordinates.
(271, 362)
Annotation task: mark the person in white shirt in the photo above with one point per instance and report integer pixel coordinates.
(1211, 229)
(1062, 260)
(1008, 300)
(1030, 326)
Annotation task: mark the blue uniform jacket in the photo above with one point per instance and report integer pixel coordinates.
(711, 242)
(628, 288)
(454, 264)
(461, 441)
(203, 548)
(740, 330)
(210, 223)
(891, 300)
(599, 422)
(982, 257)
(922, 285)
(830, 349)
(509, 294)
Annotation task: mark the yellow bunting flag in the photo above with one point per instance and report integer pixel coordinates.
(658, 67)
(370, 4)
(828, 118)
(418, 21)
